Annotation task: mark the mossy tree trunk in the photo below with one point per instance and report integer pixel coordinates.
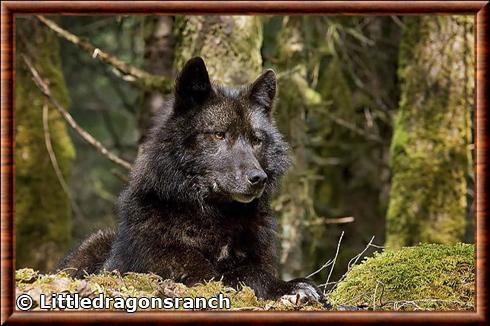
(230, 46)
(43, 214)
(430, 145)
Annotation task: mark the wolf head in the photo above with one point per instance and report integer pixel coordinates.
(218, 143)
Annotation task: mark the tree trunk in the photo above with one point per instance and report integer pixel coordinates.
(230, 46)
(43, 213)
(294, 204)
(429, 150)
(159, 57)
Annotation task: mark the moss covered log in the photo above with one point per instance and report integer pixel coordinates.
(42, 207)
(430, 146)
(425, 277)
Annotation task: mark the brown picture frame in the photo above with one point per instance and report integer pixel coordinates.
(9, 9)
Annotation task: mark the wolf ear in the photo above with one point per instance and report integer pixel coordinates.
(193, 85)
(263, 89)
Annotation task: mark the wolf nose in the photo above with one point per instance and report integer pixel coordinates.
(256, 177)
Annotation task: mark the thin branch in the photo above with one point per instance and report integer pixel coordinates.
(346, 124)
(334, 260)
(336, 220)
(127, 72)
(355, 259)
(355, 129)
(397, 305)
(375, 292)
(328, 263)
(352, 263)
(54, 162)
(43, 87)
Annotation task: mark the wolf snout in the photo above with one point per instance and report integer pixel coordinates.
(256, 178)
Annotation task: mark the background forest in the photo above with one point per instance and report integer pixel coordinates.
(378, 112)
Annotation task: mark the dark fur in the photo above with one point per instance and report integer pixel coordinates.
(191, 212)
(90, 256)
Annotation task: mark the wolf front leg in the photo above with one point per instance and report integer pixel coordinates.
(177, 262)
(268, 286)
(186, 265)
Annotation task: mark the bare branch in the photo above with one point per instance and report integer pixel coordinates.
(351, 264)
(336, 220)
(127, 72)
(328, 263)
(43, 86)
(355, 129)
(334, 260)
(54, 162)
(397, 305)
(321, 107)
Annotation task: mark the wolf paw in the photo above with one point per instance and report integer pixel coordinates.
(301, 292)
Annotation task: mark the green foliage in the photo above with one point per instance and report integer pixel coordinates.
(425, 277)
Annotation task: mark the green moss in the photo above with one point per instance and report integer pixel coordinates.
(429, 153)
(424, 277)
(428, 277)
(142, 285)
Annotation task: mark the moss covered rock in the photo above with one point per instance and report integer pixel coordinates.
(424, 277)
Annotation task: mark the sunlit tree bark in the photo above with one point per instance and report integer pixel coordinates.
(230, 45)
(430, 146)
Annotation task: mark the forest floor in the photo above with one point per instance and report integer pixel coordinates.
(424, 277)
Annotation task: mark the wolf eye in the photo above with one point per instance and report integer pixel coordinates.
(256, 141)
(219, 135)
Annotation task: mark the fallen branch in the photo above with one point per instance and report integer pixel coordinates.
(127, 72)
(397, 305)
(44, 88)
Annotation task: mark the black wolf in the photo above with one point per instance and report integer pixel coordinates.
(197, 203)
